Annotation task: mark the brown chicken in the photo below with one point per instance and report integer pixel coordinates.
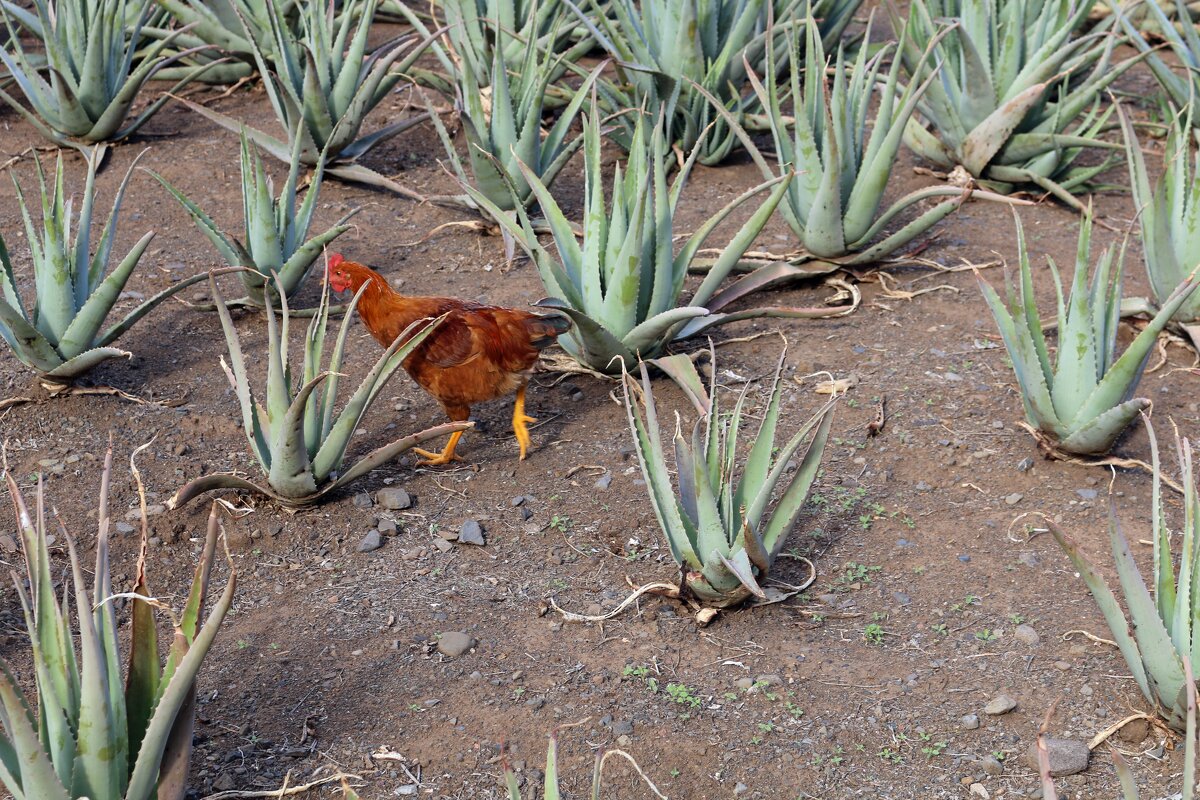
(478, 353)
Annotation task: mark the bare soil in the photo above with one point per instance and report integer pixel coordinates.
(924, 530)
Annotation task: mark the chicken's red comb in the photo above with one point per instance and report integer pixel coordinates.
(336, 260)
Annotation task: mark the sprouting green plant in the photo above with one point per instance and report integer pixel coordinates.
(622, 284)
(550, 787)
(62, 336)
(1083, 403)
(1159, 635)
(1169, 211)
(560, 523)
(720, 525)
(274, 244)
(941, 629)
(682, 694)
(296, 436)
(890, 755)
(322, 81)
(873, 633)
(98, 735)
(95, 65)
(1015, 100)
(985, 635)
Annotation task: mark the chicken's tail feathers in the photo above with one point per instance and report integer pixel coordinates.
(544, 329)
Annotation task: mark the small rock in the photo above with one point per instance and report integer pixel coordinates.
(605, 481)
(922, 486)
(1029, 559)
(1014, 498)
(1066, 756)
(443, 545)
(8, 542)
(1025, 634)
(992, 766)
(622, 728)
(386, 526)
(180, 450)
(362, 500)
(519, 500)
(1134, 731)
(970, 722)
(372, 541)
(1024, 465)
(979, 790)
(393, 498)
(740, 788)
(1000, 704)
(900, 598)
(123, 528)
(1087, 494)
(471, 532)
(454, 643)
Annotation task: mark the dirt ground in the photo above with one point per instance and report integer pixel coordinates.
(331, 654)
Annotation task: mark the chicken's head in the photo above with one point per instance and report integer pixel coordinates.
(338, 276)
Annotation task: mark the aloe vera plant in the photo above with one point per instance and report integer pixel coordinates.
(1015, 100)
(550, 785)
(665, 49)
(96, 735)
(722, 527)
(93, 78)
(506, 127)
(322, 82)
(1169, 212)
(296, 436)
(833, 203)
(276, 246)
(1083, 402)
(1156, 631)
(622, 285)
(1183, 41)
(223, 30)
(60, 336)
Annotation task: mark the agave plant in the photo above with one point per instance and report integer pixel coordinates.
(621, 285)
(665, 49)
(506, 127)
(297, 438)
(322, 82)
(721, 525)
(1169, 212)
(550, 790)
(1015, 101)
(1156, 633)
(1083, 403)
(97, 736)
(60, 336)
(1183, 41)
(276, 247)
(93, 79)
(833, 204)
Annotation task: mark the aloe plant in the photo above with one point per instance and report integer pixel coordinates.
(783, 17)
(93, 77)
(841, 171)
(1169, 211)
(219, 29)
(665, 49)
(1015, 100)
(505, 127)
(60, 335)
(296, 436)
(1083, 402)
(550, 785)
(1156, 633)
(1183, 41)
(322, 81)
(622, 285)
(97, 736)
(276, 246)
(720, 523)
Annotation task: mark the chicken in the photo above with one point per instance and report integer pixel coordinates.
(478, 353)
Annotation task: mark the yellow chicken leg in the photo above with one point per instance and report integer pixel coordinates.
(445, 457)
(521, 422)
